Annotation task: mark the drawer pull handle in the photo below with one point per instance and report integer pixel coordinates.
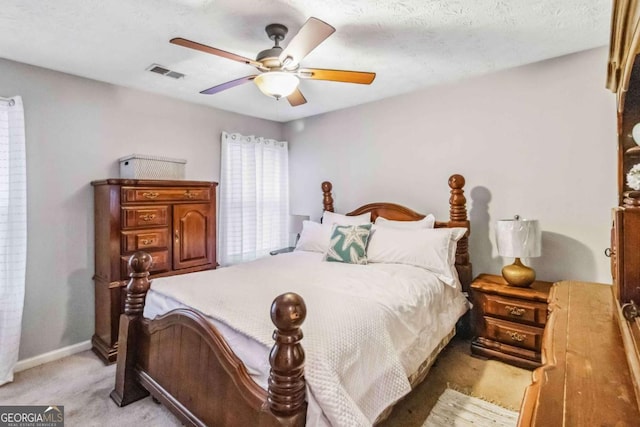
(515, 311)
(516, 336)
(148, 217)
(146, 241)
(176, 234)
(190, 195)
(150, 195)
(608, 252)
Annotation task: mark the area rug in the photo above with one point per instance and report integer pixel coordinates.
(456, 409)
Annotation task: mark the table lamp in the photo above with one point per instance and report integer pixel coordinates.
(518, 238)
(295, 227)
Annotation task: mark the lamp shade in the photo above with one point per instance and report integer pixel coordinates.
(518, 238)
(295, 223)
(277, 84)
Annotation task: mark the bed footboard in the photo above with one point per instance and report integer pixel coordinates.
(184, 362)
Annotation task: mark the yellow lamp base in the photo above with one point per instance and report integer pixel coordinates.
(518, 274)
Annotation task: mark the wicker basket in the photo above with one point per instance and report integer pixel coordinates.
(141, 166)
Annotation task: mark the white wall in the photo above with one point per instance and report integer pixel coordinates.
(539, 141)
(76, 130)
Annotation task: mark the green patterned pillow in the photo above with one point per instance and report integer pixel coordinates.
(349, 244)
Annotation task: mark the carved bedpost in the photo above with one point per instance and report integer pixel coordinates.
(127, 389)
(327, 199)
(458, 218)
(287, 392)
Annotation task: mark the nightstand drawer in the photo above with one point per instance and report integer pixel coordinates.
(513, 333)
(513, 309)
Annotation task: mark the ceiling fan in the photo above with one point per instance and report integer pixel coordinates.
(279, 68)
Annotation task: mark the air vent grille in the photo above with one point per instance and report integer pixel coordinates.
(159, 69)
(174, 75)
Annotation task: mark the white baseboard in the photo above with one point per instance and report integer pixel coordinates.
(52, 355)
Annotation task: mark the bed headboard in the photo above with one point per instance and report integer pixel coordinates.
(457, 218)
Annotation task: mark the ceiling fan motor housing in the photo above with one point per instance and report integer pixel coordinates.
(269, 57)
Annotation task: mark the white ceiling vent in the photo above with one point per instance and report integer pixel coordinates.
(159, 69)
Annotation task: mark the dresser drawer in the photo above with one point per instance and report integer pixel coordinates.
(159, 262)
(516, 310)
(144, 239)
(514, 334)
(144, 216)
(176, 194)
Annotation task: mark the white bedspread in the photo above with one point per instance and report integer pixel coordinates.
(368, 326)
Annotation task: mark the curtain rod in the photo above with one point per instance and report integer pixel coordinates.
(10, 101)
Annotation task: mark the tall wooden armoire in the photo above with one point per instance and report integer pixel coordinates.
(623, 78)
(174, 221)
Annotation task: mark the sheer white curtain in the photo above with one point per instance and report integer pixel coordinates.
(254, 197)
(13, 232)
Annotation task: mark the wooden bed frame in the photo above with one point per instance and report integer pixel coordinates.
(184, 362)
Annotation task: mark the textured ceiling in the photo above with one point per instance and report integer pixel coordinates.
(410, 44)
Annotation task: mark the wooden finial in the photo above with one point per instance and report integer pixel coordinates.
(457, 201)
(138, 285)
(286, 392)
(327, 199)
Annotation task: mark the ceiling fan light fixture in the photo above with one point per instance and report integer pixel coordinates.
(277, 84)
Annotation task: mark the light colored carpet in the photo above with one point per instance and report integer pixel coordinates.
(82, 384)
(455, 409)
(455, 368)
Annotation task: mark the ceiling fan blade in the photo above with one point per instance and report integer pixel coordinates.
(312, 33)
(296, 98)
(212, 50)
(360, 77)
(227, 85)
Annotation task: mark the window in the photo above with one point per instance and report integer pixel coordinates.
(254, 197)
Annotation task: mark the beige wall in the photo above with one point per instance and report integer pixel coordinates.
(76, 130)
(539, 141)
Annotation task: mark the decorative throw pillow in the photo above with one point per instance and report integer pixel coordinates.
(330, 218)
(349, 244)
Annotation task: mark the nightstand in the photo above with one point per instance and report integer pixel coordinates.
(282, 251)
(508, 321)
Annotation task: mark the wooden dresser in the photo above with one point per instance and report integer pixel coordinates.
(174, 221)
(508, 321)
(584, 379)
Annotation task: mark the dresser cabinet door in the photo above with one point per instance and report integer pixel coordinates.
(192, 230)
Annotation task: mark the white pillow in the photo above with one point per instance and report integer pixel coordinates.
(428, 221)
(330, 218)
(314, 237)
(431, 248)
